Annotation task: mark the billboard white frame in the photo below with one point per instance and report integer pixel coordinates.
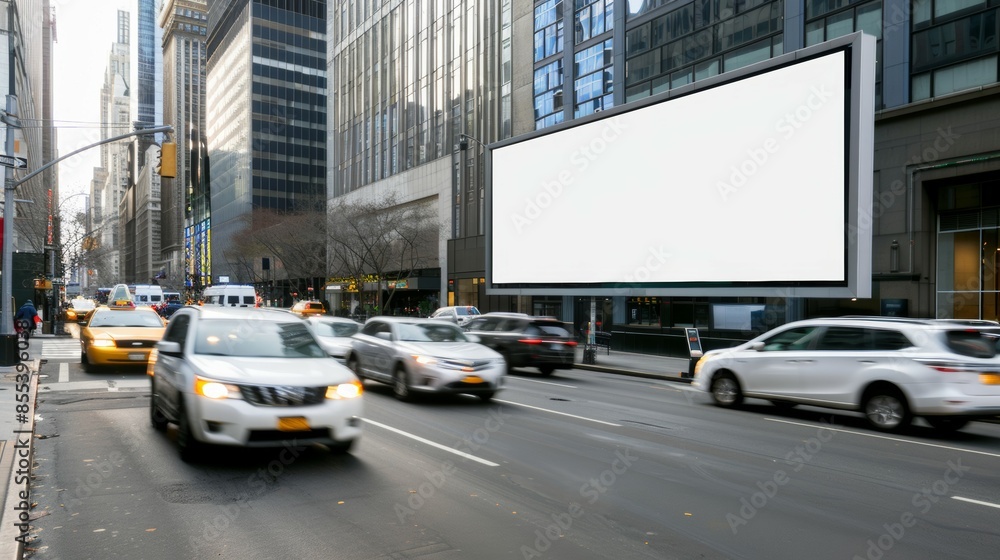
(619, 263)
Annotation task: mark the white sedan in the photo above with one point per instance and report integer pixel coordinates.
(334, 334)
(425, 356)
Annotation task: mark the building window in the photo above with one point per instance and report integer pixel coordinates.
(548, 29)
(595, 79)
(954, 47)
(591, 18)
(548, 95)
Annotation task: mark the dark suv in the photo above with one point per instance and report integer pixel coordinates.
(526, 341)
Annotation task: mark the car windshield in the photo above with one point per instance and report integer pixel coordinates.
(467, 311)
(255, 339)
(336, 329)
(426, 332)
(125, 318)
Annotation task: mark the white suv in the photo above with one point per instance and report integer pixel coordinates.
(946, 371)
(458, 314)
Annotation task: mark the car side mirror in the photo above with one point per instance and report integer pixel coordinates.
(168, 347)
(758, 346)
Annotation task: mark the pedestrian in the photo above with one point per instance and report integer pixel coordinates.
(26, 317)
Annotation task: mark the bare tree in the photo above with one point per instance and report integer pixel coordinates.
(295, 240)
(383, 240)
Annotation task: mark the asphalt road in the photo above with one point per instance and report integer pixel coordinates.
(575, 466)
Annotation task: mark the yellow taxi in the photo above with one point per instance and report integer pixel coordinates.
(119, 333)
(306, 308)
(78, 309)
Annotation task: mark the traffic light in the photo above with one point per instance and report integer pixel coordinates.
(168, 159)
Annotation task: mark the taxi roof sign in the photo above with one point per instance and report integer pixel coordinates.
(120, 297)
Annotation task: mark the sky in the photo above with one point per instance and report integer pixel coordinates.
(85, 31)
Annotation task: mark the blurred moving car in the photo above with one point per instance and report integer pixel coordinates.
(78, 309)
(526, 341)
(425, 356)
(168, 308)
(334, 334)
(119, 334)
(250, 377)
(460, 315)
(890, 369)
(306, 308)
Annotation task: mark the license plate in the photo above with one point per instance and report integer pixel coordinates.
(137, 356)
(293, 424)
(473, 379)
(989, 378)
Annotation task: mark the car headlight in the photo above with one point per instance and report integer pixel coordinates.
(424, 360)
(215, 389)
(103, 343)
(344, 390)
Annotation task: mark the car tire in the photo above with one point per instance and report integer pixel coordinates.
(726, 391)
(547, 369)
(156, 416)
(190, 448)
(885, 409)
(401, 385)
(947, 423)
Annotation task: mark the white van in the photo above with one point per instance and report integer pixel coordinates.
(147, 294)
(231, 295)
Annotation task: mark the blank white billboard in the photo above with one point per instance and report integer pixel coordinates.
(751, 184)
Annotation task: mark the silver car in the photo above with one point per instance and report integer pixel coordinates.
(425, 356)
(251, 377)
(889, 369)
(334, 334)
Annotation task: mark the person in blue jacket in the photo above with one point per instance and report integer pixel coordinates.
(25, 317)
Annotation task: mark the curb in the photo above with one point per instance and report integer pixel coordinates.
(634, 373)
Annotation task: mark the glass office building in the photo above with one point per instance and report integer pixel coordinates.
(266, 121)
(937, 156)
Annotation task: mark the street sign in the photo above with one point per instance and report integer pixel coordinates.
(13, 161)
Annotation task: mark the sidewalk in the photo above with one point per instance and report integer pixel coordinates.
(17, 424)
(638, 365)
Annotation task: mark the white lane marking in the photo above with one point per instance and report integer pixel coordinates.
(557, 412)
(63, 372)
(948, 447)
(544, 382)
(126, 384)
(432, 443)
(971, 501)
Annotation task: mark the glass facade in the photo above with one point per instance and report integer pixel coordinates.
(267, 123)
(954, 46)
(829, 19)
(968, 249)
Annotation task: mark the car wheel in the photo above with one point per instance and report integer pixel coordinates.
(189, 447)
(726, 391)
(946, 423)
(886, 410)
(401, 385)
(156, 416)
(547, 370)
(341, 446)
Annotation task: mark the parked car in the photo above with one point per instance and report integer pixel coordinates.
(425, 356)
(306, 308)
(250, 377)
(890, 369)
(526, 341)
(119, 334)
(460, 314)
(334, 334)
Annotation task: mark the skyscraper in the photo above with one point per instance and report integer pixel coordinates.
(185, 224)
(266, 121)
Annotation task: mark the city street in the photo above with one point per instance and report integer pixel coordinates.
(575, 466)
